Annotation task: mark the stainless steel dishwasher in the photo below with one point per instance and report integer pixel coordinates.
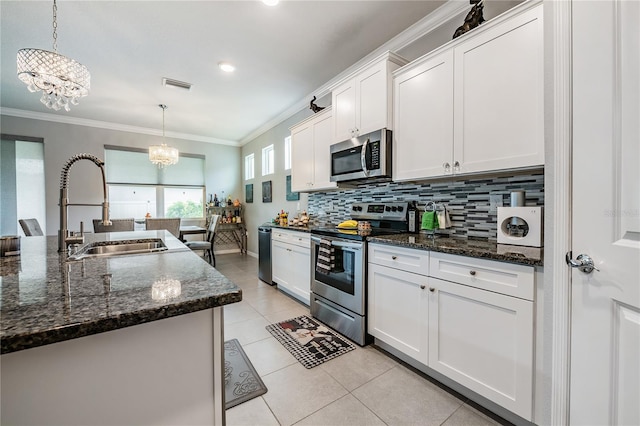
(264, 254)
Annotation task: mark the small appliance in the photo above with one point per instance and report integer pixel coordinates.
(518, 224)
(364, 157)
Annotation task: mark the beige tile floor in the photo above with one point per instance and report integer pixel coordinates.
(362, 387)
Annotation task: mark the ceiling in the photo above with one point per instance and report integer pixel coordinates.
(282, 55)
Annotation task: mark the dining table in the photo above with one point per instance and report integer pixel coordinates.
(191, 230)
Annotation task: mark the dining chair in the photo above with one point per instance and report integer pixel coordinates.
(31, 227)
(117, 225)
(207, 244)
(170, 224)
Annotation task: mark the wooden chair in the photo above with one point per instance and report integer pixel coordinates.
(207, 245)
(117, 225)
(170, 224)
(31, 227)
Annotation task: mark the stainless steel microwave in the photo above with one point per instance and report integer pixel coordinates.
(362, 157)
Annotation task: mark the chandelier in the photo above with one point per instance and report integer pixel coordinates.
(163, 155)
(62, 80)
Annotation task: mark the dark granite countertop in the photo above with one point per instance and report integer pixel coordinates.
(290, 228)
(473, 248)
(46, 299)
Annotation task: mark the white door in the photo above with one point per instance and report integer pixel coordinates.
(321, 152)
(605, 335)
(302, 158)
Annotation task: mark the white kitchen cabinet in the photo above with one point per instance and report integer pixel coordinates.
(310, 160)
(291, 262)
(362, 102)
(475, 105)
(423, 118)
(474, 323)
(499, 96)
(398, 311)
(484, 341)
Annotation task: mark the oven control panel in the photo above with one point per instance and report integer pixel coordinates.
(396, 211)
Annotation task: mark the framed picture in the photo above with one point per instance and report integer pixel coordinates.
(248, 190)
(266, 191)
(291, 196)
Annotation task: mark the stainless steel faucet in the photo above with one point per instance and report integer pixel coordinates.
(64, 237)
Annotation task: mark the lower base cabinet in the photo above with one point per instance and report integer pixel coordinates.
(291, 260)
(398, 310)
(481, 339)
(484, 341)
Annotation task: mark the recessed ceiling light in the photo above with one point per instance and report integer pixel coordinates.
(270, 2)
(226, 67)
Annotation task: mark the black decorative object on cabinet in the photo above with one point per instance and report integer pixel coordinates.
(313, 107)
(472, 20)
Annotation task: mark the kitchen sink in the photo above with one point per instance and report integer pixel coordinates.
(119, 248)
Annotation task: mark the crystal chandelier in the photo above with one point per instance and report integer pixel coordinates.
(163, 155)
(62, 80)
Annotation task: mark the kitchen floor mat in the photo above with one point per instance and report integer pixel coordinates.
(241, 381)
(309, 341)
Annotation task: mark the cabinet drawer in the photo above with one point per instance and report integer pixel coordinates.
(410, 260)
(500, 277)
(302, 239)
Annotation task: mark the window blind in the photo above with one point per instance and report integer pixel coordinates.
(132, 166)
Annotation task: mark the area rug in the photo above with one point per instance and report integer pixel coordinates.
(309, 341)
(241, 382)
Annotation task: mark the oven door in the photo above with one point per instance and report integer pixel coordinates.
(344, 283)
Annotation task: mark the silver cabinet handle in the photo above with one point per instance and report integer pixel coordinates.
(472, 273)
(394, 257)
(583, 262)
(456, 166)
(422, 286)
(432, 289)
(446, 166)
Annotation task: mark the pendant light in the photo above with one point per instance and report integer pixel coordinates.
(62, 80)
(163, 155)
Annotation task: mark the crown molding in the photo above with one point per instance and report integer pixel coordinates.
(111, 126)
(429, 23)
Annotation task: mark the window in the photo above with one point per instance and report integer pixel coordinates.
(249, 165)
(138, 187)
(287, 153)
(268, 160)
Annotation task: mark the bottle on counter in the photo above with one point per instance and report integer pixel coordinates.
(413, 217)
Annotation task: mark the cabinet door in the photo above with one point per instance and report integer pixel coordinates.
(280, 264)
(302, 158)
(343, 101)
(499, 92)
(372, 99)
(397, 307)
(484, 341)
(423, 119)
(301, 283)
(322, 158)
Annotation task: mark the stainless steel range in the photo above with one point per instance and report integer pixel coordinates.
(339, 267)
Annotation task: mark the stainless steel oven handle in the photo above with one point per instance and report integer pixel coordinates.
(363, 157)
(341, 244)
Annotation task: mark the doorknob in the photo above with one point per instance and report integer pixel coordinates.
(583, 262)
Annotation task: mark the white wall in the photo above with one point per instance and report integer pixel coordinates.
(61, 141)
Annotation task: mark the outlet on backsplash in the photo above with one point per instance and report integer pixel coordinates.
(495, 201)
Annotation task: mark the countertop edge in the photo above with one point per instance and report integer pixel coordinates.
(31, 340)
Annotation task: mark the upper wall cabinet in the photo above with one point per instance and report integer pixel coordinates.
(310, 162)
(362, 103)
(475, 105)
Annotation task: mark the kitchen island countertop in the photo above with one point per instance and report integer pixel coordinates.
(47, 299)
(482, 249)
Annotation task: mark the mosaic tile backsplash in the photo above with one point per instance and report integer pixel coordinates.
(468, 201)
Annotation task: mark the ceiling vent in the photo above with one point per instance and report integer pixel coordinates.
(176, 83)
